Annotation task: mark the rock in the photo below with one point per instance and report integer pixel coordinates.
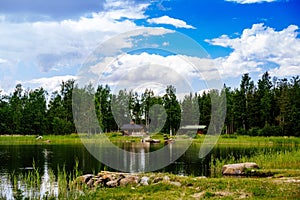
(90, 183)
(238, 169)
(112, 183)
(85, 178)
(129, 180)
(157, 179)
(98, 182)
(120, 176)
(166, 179)
(178, 184)
(198, 195)
(144, 180)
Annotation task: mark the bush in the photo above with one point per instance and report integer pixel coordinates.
(254, 131)
(242, 131)
(270, 131)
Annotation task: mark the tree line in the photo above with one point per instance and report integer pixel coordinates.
(270, 107)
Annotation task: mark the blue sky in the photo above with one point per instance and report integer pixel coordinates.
(43, 43)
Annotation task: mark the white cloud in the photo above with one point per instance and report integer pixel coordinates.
(151, 70)
(2, 61)
(261, 46)
(50, 84)
(166, 44)
(171, 21)
(250, 1)
(56, 44)
(125, 9)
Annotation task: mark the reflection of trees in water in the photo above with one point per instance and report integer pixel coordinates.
(29, 184)
(48, 185)
(138, 156)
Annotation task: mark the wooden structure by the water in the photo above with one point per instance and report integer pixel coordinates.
(133, 129)
(193, 128)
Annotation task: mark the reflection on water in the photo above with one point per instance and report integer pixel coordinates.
(136, 163)
(48, 186)
(139, 155)
(18, 160)
(11, 187)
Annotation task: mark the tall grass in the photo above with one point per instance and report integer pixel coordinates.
(272, 160)
(30, 185)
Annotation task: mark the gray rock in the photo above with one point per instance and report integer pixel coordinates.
(90, 183)
(144, 180)
(113, 183)
(157, 179)
(85, 178)
(178, 184)
(129, 180)
(166, 178)
(238, 169)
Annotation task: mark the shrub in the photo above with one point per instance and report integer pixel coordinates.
(271, 131)
(254, 131)
(241, 131)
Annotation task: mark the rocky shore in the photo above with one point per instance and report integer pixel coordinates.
(116, 179)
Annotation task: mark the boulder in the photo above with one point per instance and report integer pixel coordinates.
(90, 183)
(178, 184)
(129, 180)
(157, 179)
(166, 178)
(85, 178)
(238, 168)
(144, 180)
(112, 183)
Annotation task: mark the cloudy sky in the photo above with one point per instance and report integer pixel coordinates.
(43, 43)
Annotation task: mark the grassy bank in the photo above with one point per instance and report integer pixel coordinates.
(277, 164)
(190, 188)
(117, 137)
(213, 188)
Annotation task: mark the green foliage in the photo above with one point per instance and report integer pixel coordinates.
(270, 130)
(269, 108)
(173, 110)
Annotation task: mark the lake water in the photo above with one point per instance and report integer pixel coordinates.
(20, 159)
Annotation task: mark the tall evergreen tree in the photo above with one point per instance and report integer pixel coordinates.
(173, 110)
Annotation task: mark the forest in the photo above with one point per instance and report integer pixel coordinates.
(266, 108)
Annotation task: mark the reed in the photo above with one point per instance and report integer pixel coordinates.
(273, 160)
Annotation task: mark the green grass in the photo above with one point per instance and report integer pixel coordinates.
(31, 139)
(191, 188)
(280, 162)
(117, 137)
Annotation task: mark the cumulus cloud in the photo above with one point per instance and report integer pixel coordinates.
(56, 44)
(251, 1)
(2, 61)
(261, 46)
(125, 9)
(147, 70)
(50, 84)
(171, 21)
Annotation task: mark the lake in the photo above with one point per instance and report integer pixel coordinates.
(20, 158)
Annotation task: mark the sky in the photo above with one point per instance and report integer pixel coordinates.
(44, 43)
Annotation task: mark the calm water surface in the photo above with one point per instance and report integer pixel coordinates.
(20, 159)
